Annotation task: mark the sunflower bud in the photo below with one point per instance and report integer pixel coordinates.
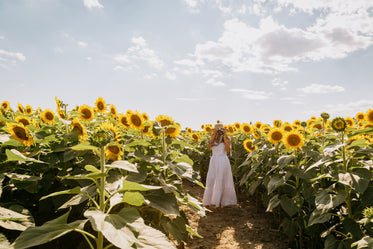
(368, 213)
(101, 138)
(303, 124)
(325, 116)
(339, 124)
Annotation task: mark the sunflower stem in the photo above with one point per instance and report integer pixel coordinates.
(344, 152)
(163, 146)
(100, 237)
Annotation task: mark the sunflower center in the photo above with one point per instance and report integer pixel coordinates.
(277, 136)
(136, 121)
(112, 111)
(24, 121)
(114, 149)
(339, 124)
(194, 136)
(4, 105)
(360, 116)
(288, 128)
(79, 128)
(86, 113)
(370, 116)
(123, 120)
(170, 130)
(100, 106)
(349, 122)
(49, 116)
(246, 129)
(20, 133)
(318, 126)
(146, 129)
(165, 122)
(294, 140)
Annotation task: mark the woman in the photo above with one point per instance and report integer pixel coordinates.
(219, 190)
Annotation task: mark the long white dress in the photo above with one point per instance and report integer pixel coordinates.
(219, 189)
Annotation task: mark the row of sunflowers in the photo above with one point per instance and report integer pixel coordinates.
(314, 176)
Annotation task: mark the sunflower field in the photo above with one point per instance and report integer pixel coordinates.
(92, 177)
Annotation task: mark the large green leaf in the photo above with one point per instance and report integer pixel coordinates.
(127, 185)
(176, 227)
(166, 203)
(182, 169)
(184, 158)
(285, 160)
(4, 243)
(291, 205)
(15, 155)
(115, 227)
(90, 190)
(72, 191)
(289, 227)
(273, 202)
(13, 220)
(357, 180)
(83, 146)
(152, 238)
(133, 198)
(365, 242)
(26, 182)
(125, 165)
(274, 182)
(49, 231)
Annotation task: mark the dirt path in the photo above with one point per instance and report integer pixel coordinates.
(236, 227)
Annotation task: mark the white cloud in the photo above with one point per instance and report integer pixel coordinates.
(170, 75)
(150, 76)
(82, 44)
(293, 100)
(88, 58)
(276, 82)
(10, 59)
(320, 89)
(253, 95)
(345, 109)
(215, 82)
(140, 52)
(195, 99)
(92, 4)
(2, 37)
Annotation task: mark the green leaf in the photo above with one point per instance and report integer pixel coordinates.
(4, 243)
(84, 146)
(131, 146)
(125, 165)
(15, 155)
(49, 231)
(291, 206)
(12, 143)
(2, 177)
(72, 191)
(176, 227)
(152, 238)
(318, 216)
(91, 168)
(166, 203)
(289, 227)
(331, 242)
(184, 158)
(254, 185)
(133, 198)
(182, 169)
(357, 180)
(285, 160)
(274, 183)
(13, 220)
(90, 190)
(273, 203)
(365, 242)
(127, 185)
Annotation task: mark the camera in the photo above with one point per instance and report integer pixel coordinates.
(220, 131)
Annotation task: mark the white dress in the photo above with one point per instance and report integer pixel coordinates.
(219, 189)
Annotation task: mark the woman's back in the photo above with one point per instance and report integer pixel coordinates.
(219, 150)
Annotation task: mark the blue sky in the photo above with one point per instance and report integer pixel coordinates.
(195, 60)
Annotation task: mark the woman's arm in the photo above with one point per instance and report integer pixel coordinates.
(227, 142)
(212, 138)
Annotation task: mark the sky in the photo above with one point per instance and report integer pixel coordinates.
(197, 61)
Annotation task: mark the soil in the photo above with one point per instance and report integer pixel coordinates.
(236, 227)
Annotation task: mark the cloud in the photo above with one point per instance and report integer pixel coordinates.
(9, 59)
(321, 89)
(215, 82)
(82, 44)
(280, 83)
(170, 75)
(92, 4)
(2, 37)
(345, 109)
(253, 95)
(293, 100)
(140, 52)
(195, 99)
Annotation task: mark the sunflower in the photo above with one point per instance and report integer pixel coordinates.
(20, 108)
(111, 127)
(47, 116)
(248, 144)
(368, 125)
(230, 129)
(316, 126)
(113, 110)
(287, 127)
(246, 128)
(148, 128)
(164, 120)
(339, 124)
(293, 140)
(123, 121)
(369, 116)
(86, 113)
(361, 123)
(256, 133)
(79, 128)
(202, 126)
(28, 109)
(275, 135)
(20, 133)
(23, 120)
(113, 152)
(297, 122)
(195, 137)
(100, 105)
(266, 129)
(61, 113)
(5, 105)
(237, 125)
(277, 123)
(258, 125)
(136, 120)
(145, 116)
(189, 130)
(58, 102)
(173, 130)
(350, 122)
(208, 128)
(360, 116)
